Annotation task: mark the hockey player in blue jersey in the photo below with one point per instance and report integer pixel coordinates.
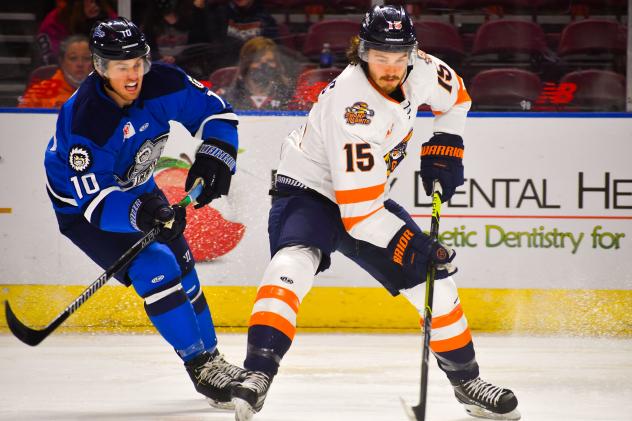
(100, 165)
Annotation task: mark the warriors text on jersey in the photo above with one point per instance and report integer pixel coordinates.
(102, 157)
(355, 136)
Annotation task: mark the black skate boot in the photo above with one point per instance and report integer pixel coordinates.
(213, 377)
(484, 400)
(249, 395)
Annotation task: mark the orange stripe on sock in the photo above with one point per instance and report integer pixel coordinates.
(266, 318)
(350, 221)
(344, 197)
(280, 293)
(453, 343)
(447, 319)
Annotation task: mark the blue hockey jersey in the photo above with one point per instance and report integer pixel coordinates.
(102, 157)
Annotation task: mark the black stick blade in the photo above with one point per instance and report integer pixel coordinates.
(414, 413)
(21, 331)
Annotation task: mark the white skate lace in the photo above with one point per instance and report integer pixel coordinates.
(257, 381)
(218, 372)
(484, 391)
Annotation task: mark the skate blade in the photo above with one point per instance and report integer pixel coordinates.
(228, 406)
(478, 412)
(243, 410)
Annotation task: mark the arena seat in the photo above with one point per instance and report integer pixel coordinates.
(504, 89)
(597, 90)
(336, 32)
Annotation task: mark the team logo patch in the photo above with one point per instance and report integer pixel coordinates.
(128, 130)
(79, 158)
(98, 32)
(143, 127)
(359, 113)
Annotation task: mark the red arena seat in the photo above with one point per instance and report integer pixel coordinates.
(509, 36)
(504, 89)
(439, 38)
(335, 32)
(591, 36)
(597, 90)
(223, 77)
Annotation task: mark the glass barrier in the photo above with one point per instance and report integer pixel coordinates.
(513, 55)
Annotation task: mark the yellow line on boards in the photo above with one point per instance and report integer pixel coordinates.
(5, 210)
(344, 309)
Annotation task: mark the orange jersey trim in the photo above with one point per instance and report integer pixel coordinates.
(447, 319)
(345, 197)
(453, 343)
(462, 95)
(280, 293)
(350, 221)
(267, 318)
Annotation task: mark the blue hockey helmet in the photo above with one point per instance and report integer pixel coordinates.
(387, 28)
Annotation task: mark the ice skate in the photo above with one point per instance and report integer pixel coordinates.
(484, 400)
(249, 395)
(213, 377)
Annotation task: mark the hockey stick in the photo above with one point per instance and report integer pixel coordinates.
(418, 413)
(33, 336)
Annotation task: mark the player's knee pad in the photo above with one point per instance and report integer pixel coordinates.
(153, 268)
(444, 300)
(293, 268)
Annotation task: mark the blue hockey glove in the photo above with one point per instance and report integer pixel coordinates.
(414, 250)
(215, 164)
(151, 209)
(442, 159)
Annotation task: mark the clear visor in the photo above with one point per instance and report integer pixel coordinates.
(106, 67)
(387, 54)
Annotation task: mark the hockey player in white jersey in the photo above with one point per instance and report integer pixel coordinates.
(331, 194)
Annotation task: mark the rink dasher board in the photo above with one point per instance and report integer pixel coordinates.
(546, 207)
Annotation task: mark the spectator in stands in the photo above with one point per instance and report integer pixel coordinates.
(68, 17)
(54, 28)
(85, 13)
(232, 24)
(171, 25)
(261, 82)
(75, 64)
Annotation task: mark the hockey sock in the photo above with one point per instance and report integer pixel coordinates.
(191, 285)
(286, 281)
(451, 340)
(172, 314)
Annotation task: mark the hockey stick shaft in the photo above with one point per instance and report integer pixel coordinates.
(420, 410)
(33, 336)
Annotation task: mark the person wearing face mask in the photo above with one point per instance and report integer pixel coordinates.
(75, 63)
(261, 82)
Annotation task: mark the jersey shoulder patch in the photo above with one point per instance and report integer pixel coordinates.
(93, 116)
(162, 80)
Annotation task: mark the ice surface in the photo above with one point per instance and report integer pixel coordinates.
(324, 377)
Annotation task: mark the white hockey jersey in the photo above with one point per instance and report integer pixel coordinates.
(355, 136)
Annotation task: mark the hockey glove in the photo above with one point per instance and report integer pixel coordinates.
(151, 209)
(442, 159)
(414, 251)
(215, 164)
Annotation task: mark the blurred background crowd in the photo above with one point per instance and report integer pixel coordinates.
(514, 55)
